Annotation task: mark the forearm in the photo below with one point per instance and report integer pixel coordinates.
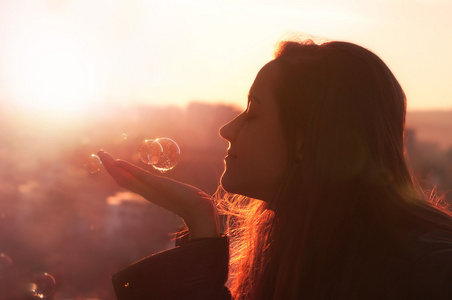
(204, 222)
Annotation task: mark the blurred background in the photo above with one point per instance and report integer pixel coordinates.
(77, 76)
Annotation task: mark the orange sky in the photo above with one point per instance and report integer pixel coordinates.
(70, 55)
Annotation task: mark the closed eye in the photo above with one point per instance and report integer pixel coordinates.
(249, 114)
(252, 109)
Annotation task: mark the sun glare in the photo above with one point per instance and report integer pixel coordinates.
(52, 71)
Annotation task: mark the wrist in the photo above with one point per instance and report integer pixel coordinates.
(204, 223)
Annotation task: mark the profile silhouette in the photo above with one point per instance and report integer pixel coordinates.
(319, 198)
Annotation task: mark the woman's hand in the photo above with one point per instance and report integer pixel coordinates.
(195, 207)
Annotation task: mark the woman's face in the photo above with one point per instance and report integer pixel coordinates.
(257, 155)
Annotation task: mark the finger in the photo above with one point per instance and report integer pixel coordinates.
(109, 163)
(135, 180)
(106, 158)
(160, 189)
(132, 169)
(122, 177)
(159, 185)
(141, 174)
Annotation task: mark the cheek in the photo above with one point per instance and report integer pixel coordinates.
(273, 163)
(272, 154)
(257, 174)
(264, 152)
(260, 163)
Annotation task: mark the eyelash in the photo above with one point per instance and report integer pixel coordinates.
(248, 116)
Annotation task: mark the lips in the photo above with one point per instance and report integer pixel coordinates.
(231, 155)
(231, 152)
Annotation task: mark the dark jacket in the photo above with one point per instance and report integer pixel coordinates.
(198, 269)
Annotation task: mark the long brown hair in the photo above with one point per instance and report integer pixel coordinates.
(348, 203)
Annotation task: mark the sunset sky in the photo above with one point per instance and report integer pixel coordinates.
(71, 55)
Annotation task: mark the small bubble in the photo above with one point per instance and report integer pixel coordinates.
(127, 284)
(150, 151)
(43, 285)
(124, 136)
(93, 163)
(169, 157)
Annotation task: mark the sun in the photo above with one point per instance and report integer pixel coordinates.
(54, 71)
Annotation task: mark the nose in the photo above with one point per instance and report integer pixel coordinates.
(229, 130)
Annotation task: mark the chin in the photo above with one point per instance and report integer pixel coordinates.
(227, 183)
(232, 186)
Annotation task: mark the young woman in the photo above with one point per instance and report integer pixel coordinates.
(338, 215)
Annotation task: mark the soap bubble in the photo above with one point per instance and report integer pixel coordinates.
(43, 285)
(93, 163)
(169, 157)
(150, 151)
(163, 153)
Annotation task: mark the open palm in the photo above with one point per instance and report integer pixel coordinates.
(195, 207)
